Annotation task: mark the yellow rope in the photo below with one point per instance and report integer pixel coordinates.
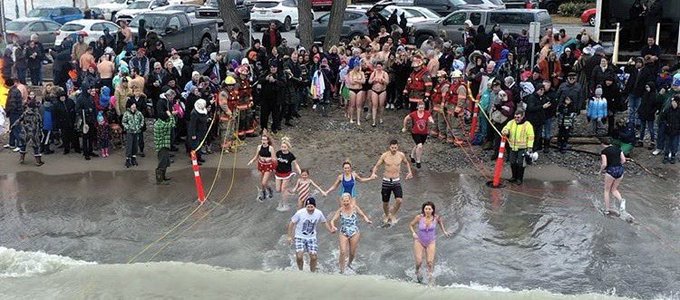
(193, 211)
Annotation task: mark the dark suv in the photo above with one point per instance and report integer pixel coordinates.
(354, 23)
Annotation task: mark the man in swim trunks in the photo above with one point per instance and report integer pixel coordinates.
(303, 224)
(391, 182)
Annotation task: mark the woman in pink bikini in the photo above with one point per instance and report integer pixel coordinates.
(425, 238)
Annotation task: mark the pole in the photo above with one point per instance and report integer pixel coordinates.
(2, 20)
(533, 54)
(615, 56)
(197, 177)
(658, 33)
(496, 183)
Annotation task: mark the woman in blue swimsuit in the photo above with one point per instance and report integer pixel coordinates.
(349, 235)
(347, 181)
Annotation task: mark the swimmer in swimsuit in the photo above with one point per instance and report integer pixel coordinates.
(391, 183)
(355, 81)
(349, 235)
(266, 164)
(379, 80)
(425, 237)
(612, 168)
(302, 187)
(347, 181)
(284, 171)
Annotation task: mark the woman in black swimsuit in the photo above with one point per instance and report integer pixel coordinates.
(266, 164)
(379, 80)
(612, 168)
(355, 80)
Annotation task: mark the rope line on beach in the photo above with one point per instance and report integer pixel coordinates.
(131, 260)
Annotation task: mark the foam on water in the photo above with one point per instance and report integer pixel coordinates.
(57, 277)
(15, 263)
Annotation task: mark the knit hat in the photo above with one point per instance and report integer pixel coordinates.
(199, 106)
(311, 201)
(676, 80)
(100, 118)
(468, 23)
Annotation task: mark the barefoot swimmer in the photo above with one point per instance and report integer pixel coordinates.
(612, 168)
(303, 226)
(425, 238)
(266, 164)
(284, 171)
(391, 183)
(349, 235)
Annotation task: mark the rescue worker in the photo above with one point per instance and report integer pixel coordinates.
(440, 94)
(454, 109)
(419, 83)
(228, 100)
(246, 124)
(520, 135)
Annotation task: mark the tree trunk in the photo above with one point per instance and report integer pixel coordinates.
(231, 19)
(305, 23)
(335, 24)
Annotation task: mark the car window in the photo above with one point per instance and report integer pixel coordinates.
(289, 3)
(37, 26)
(455, 19)
(72, 27)
(97, 27)
(544, 17)
(52, 26)
(183, 21)
(152, 21)
(324, 18)
(429, 13)
(474, 1)
(40, 13)
(15, 26)
(476, 18)
(72, 11)
(266, 4)
(139, 5)
(414, 13)
(351, 16)
(174, 22)
(112, 28)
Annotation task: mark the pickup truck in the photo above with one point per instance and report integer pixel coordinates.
(177, 30)
(211, 10)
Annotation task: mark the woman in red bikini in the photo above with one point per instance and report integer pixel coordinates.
(266, 164)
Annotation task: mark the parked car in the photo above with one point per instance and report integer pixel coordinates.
(322, 4)
(110, 9)
(23, 28)
(520, 3)
(211, 11)
(190, 9)
(139, 6)
(177, 30)
(192, 2)
(414, 14)
(93, 29)
(445, 7)
(588, 16)
(283, 12)
(354, 23)
(513, 20)
(550, 5)
(59, 14)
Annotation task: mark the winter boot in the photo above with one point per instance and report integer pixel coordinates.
(513, 168)
(159, 177)
(22, 157)
(539, 144)
(134, 161)
(165, 178)
(38, 161)
(546, 145)
(128, 162)
(520, 175)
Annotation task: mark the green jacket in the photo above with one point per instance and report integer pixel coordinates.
(133, 122)
(162, 132)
